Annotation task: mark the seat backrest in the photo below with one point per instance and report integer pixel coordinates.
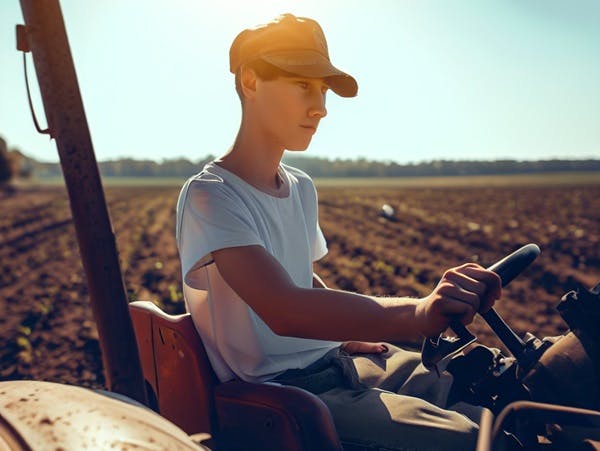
(187, 392)
(175, 367)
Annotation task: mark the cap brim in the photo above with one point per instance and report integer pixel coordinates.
(314, 65)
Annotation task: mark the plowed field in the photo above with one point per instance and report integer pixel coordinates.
(46, 326)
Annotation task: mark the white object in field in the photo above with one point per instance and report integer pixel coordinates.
(387, 211)
(50, 416)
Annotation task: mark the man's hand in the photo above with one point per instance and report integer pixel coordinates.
(462, 292)
(363, 347)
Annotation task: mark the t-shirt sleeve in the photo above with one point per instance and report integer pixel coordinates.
(212, 218)
(311, 210)
(319, 248)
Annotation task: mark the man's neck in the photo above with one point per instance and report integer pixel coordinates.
(255, 161)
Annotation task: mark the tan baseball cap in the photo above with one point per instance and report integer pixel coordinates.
(292, 44)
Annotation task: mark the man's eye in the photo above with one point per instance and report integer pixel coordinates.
(303, 84)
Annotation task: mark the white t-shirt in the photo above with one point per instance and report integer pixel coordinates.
(216, 210)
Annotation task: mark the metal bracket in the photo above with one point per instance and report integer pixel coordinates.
(437, 348)
(23, 46)
(22, 39)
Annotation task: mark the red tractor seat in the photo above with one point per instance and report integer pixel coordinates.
(184, 389)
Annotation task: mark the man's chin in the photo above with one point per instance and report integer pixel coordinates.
(298, 148)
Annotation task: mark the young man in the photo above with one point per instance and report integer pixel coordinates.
(248, 234)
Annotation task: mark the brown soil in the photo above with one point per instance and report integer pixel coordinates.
(46, 325)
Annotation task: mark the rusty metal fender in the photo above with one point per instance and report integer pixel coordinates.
(45, 415)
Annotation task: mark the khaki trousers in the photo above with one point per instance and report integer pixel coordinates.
(388, 401)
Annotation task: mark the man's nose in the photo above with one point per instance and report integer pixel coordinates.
(318, 107)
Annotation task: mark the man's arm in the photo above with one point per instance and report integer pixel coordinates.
(319, 313)
(353, 347)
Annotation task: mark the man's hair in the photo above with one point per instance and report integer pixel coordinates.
(263, 70)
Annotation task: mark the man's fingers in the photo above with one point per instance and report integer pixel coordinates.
(465, 281)
(362, 347)
(455, 301)
(465, 275)
(457, 293)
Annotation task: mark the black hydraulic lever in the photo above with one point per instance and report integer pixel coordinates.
(436, 348)
(508, 268)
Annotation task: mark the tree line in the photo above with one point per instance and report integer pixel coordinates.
(13, 163)
(322, 167)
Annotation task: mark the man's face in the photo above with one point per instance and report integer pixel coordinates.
(289, 109)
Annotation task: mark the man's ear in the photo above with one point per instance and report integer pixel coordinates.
(248, 82)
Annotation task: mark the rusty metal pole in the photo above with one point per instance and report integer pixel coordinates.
(47, 39)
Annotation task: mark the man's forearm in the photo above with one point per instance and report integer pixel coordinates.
(340, 315)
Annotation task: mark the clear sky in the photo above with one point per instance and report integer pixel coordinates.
(445, 79)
